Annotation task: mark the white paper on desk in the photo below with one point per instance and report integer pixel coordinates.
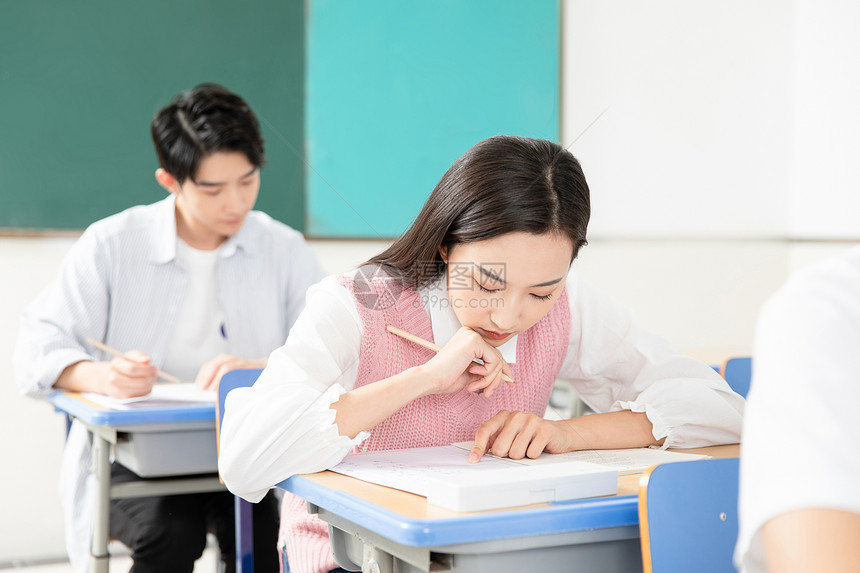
(410, 469)
(162, 395)
(444, 475)
(626, 461)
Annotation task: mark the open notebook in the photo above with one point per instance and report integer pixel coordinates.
(162, 395)
(627, 461)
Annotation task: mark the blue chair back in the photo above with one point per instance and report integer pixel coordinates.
(738, 373)
(244, 521)
(231, 380)
(688, 516)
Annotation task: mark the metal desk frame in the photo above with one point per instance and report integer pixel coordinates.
(104, 425)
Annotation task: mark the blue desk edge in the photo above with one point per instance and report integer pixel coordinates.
(576, 515)
(103, 417)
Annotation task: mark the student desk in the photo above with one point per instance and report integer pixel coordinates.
(388, 530)
(107, 427)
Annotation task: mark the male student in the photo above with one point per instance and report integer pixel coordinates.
(799, 496)
(196, 284)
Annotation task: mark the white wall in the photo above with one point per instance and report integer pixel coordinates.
(694, 139)
(727, 137)
(728, 119)
(826, 181)
(32, 435)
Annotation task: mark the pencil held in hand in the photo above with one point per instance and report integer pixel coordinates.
(163, 375)
(427, 344)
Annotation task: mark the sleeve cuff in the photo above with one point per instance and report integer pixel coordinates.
(329, 431)
(52, 368)
(660, 429)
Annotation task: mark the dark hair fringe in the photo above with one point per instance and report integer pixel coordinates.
(504, 184)
(203, 121)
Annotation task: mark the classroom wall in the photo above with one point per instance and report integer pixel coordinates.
(826, 140)
(681, 113)
(720, 163)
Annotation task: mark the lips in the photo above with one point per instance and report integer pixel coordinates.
(496, 335)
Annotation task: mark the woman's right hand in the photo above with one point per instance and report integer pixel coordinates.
(453, 368)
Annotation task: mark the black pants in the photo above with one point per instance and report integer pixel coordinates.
(168, 533)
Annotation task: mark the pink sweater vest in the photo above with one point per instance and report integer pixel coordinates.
(434, 420)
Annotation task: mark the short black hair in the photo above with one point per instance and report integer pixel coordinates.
(202, 121)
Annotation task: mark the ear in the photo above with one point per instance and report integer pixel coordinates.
(443, 252)
(167, 181)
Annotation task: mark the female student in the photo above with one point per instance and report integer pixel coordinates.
(484, 272)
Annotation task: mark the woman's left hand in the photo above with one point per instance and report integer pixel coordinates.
(518, 434)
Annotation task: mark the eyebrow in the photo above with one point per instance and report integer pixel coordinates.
(495, 277)
(211, 184)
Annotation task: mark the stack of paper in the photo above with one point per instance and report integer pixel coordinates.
(444, 475)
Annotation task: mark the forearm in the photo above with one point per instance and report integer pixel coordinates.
(363, 408)
(813, 540)
(84, 376)
(610, 430)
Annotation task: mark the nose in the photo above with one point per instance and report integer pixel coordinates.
(237, 202)
(504, 313)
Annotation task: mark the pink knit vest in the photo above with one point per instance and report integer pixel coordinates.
(434, 420)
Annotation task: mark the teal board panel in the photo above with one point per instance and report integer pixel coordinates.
(396, 91)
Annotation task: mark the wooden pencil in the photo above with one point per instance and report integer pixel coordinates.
(164, 375)
(427, 344)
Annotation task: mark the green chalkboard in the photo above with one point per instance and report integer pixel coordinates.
(396, 91)
(80, 82)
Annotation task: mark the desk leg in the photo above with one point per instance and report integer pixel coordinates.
(376, 560)
(99, 558)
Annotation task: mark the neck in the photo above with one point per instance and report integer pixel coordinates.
(198, 238)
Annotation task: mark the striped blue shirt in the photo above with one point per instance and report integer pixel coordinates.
(121, 284)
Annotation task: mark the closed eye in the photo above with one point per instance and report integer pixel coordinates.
(544, 297)
(485, 289)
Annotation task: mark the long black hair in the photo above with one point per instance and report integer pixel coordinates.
(504, 184)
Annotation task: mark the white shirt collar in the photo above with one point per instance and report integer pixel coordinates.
(434, 298)
(164, 240)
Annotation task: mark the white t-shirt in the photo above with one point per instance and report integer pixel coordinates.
(200, 334)
(801, 427)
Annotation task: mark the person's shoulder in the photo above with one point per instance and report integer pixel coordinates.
(828, 286)
(835, 274)
(138, 219)
(260, 225)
